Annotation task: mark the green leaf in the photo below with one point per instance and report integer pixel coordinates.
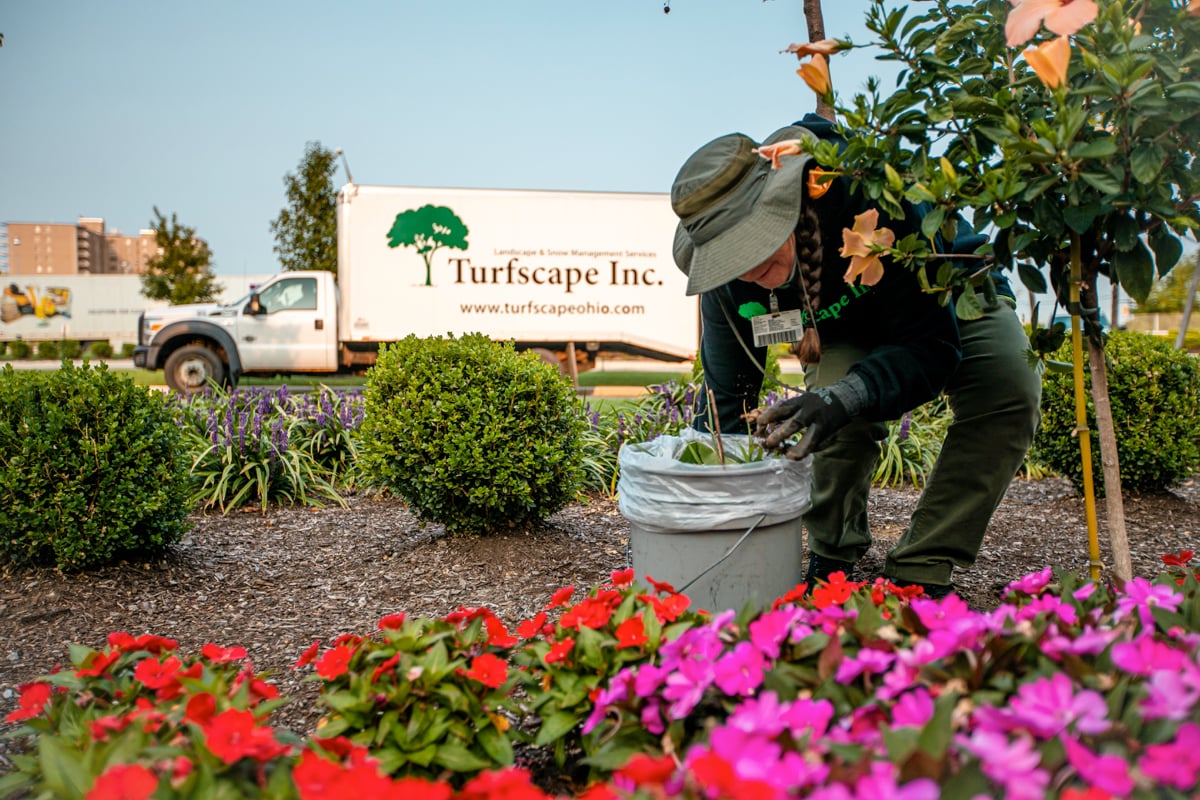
(453, 756)
(609, 760)
(1080, 218)
(555, 727)
(1102, 182)
(933, 221)
(1146, 162)
(1097, 148)
(496, 745)
(1135, 271)
(1167, 250)
(966, 305)
(1032, 278)
(62, 771)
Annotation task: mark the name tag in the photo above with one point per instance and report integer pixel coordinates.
(785, 326)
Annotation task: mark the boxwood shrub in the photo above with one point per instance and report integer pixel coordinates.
(471, 433)
(1154, 390)
(92, 468)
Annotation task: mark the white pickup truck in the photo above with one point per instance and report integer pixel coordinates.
(569, 274)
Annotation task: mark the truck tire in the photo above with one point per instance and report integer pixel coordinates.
(550, 357)
(190, 368)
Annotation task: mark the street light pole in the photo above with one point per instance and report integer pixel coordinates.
(346, 164)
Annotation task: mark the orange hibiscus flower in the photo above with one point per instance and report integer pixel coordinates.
(859, 245)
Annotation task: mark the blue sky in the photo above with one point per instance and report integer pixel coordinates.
(113, 108)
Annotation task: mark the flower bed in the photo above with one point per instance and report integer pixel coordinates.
(1068, 689)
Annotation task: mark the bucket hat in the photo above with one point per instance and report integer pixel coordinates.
(734, 210)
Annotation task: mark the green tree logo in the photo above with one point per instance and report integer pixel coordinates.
(426, 229)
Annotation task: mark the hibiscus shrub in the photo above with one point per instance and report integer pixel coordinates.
(94, 468)
(472, 433)
(1154, 390)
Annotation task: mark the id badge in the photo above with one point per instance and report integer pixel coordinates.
(777, 328)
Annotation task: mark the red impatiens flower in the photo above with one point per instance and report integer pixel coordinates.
(34, 697)
(510, 782)
(103, 727)
(1179, 559)
(661, 587)
(96, 664)
(592, 612)
(156, 645)
(123, 782)
(259, 689)
(622, 577)
(561, 597)
(632, 633)
(667, 609)
(155, 674)
(530, 627)
(335, 661)
(392, 622)
(489, 670)
(790, 597)
(308, 655)
(200, 709)
(559, 650)
(222, 655)
(835, 592)
(385, 667)
(235, 734)
(643, 770)
(498, 635)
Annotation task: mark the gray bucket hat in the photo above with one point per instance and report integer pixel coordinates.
(734, 210)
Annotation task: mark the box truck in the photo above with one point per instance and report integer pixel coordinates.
(568, 274)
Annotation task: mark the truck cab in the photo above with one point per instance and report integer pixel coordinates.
(289, 324)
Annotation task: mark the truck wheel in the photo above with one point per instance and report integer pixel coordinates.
(551, 358)
(190, 368)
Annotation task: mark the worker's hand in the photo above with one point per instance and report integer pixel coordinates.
(818, 413)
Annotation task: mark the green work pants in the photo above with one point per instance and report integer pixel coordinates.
(994, 396)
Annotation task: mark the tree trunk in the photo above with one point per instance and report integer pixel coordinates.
(1188, 303)
(816, 32)
(1109, 464)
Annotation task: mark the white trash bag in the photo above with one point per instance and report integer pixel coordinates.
(660, 493)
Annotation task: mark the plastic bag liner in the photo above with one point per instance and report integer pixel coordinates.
(659, 493)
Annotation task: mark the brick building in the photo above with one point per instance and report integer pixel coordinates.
(84, 248)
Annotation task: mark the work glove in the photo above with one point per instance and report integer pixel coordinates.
(820, 413)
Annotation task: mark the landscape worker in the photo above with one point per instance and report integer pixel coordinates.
(762, 243)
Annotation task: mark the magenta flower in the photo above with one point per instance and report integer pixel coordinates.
(1144, 655)
(686, 685)
(913, 709)
(1176, 763)
(1051, 606)
(649, 679)
(808, 716)
(763, 715)
(1088, 641)
(1107, 772)
(880, 784)
(1049, 705)
(752, 757)
(868, 661)
(1032, 583)
(740, 671)
(772, 629)
(1143, 596)
(1013, 764)
(1172, 694)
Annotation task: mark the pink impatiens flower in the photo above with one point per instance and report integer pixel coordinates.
(740, 671)
(1063, 17)
(1175, 763)
(1107, 772)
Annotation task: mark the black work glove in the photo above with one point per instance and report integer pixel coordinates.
(820, 413)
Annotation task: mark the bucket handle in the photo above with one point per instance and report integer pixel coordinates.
(728, 553)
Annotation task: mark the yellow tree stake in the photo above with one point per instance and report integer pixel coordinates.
(1081, 426)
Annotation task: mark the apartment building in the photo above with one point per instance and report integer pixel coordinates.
(83, 248)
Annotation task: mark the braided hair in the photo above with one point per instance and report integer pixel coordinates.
(809, 255)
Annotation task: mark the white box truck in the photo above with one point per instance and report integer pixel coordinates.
(82, 308)
(569, 274)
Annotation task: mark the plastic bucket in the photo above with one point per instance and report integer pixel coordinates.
(685, 518)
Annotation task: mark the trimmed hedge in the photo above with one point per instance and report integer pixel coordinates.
(472, 433)
(92, 468)
(1154, 390)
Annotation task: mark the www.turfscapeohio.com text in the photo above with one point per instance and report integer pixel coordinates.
(550, 309)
